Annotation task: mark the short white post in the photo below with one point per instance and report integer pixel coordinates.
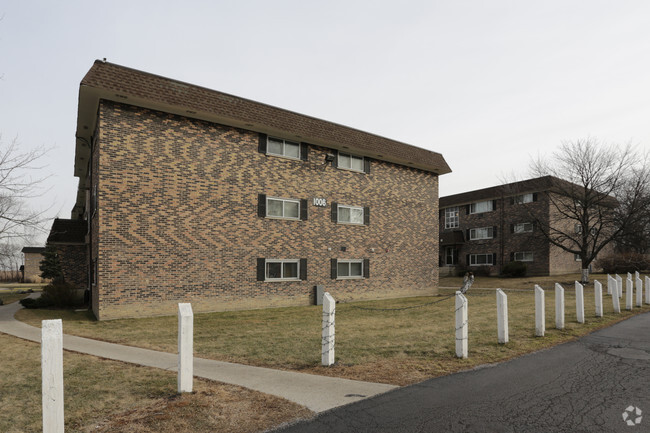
(598, 295)
(611, 283)
(502, 317)
(462, 333)
(629, 293)
(636, 275)
(52, 375)
(540, 312)
(616, 302)
(559, 306)
(647, 290)
(619, 285)
(639, 291)
(580, 302)
(185, 348)
(329, 312)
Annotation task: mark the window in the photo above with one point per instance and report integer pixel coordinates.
(577, 257)
(282, 270)
(279, 147)
(350, 214)
(481, 259)
(451, 256)
(524, 198)
(350, 162)
(451, 217)
(523, 256)
(481, 206)
(282, 208)
(349, 269)
(481, 233)
(522, 228)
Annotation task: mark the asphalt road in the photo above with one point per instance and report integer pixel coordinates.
(583, 386)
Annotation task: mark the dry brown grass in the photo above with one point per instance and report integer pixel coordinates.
(398, 347)
(109, 396)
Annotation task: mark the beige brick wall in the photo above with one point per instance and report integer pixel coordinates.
(178, 222)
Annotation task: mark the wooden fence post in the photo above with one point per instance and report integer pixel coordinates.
(540, 312)
(52, 375)
(185, 347)
(559, 306)
(461, 326)
(502, 317)
(598, 294)
(328, 337)
(580, 302)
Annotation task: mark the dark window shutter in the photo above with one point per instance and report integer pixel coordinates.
(494, 231)
(494, 258)
(335, 161)
(512, 257)
(512, 200)
(303, 209)
(534, 225)
(261, 205)
(512, 228)
(366, 216)
(333, 267)
(467, 210)
(261, 271)
(335, 210)
(467, 260)
(366, 165)
(304, 151)
(494, 205)
(262, 144)
(467, 234)
(366, 268)
(534, 196)
(303, 269)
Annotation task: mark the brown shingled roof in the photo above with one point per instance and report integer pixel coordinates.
(233, 109)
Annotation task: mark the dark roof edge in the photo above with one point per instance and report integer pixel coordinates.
(494, 192)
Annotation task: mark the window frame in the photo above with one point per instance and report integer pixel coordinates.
(349, 155)
(283, 200)
(450, 219)
(349, 263)
(490, 233)
(284, 143)
(454, 256)
(523, 256)
(282, 262)
(338, 214)
(524, 198)
(472, 257)
(523, 225)
(472, 207)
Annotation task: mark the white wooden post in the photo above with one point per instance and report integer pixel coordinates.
(629, 292)
(610, 284)
(616, 302)
(559, 306)
(52, 375)
(647, 290)
(540, 312)
(462, 333)
(598, 294)
(639, 291)
(502, 317)
(329, 312)
(580, 302)
(185, 348)
(619, 285)
(636, 275)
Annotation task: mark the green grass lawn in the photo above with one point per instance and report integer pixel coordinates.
(398, 347)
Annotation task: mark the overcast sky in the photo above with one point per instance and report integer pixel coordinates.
(489, 84)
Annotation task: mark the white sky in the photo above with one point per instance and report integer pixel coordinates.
(489, 84)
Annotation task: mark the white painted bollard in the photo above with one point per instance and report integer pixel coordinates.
(328, 340)
(647, 290)
(185, 348)
(639, 291)
(636, 275)
(629, 293)
(619, 285)
(598, 295)
(502, 317)
(611, 283)
(462, 333)
(580, 303)
(559, 306)
(52, 375)
(616, 302)
(540, 312)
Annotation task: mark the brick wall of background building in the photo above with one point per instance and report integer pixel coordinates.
(32, 267)
(73, 261)
(178, 221)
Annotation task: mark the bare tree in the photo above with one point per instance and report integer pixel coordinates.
(598, 192)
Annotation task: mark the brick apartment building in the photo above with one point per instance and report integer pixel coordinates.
(192, 195)
(32, 264)
(488, 228)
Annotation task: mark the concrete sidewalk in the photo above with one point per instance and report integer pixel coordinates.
(318, 393)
